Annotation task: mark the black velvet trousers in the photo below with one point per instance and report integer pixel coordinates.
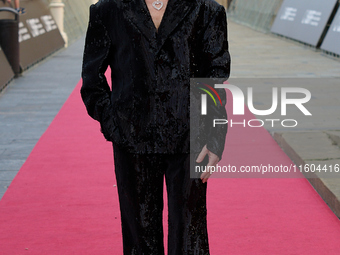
(140, 179)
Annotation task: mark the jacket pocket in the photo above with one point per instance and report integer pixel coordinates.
(108, 126)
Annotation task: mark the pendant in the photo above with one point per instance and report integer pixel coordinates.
(158, 5)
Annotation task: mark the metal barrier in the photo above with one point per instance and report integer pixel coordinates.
(258, 14)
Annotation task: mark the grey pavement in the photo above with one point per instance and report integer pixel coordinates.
(29, 104)
(258, 55)
(261, 61)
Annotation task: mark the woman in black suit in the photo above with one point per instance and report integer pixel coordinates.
(153, 49)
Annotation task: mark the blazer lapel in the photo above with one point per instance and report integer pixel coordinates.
(137, 12)
(175, 12)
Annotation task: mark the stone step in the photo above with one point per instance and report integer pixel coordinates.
(319, 152)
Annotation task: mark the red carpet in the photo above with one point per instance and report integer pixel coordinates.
(63, 200)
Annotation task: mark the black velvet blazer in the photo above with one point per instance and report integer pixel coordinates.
(147, 109)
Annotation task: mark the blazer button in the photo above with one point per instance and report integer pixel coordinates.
(160, 61)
